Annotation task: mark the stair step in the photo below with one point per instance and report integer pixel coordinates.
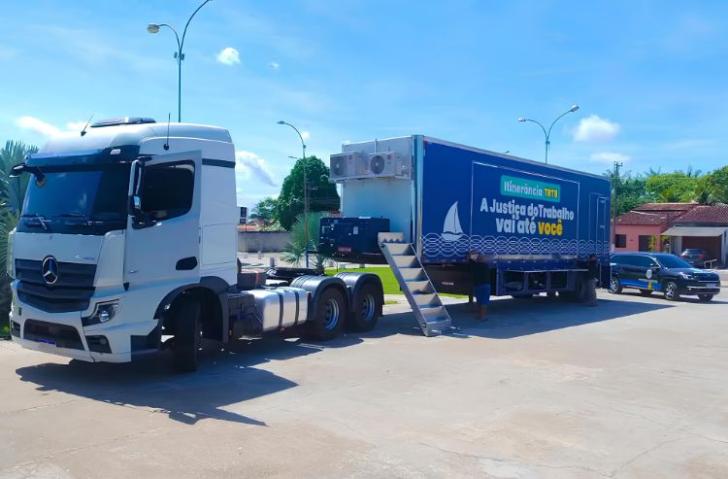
(433, 311)
(419, 286)
(438, 327)
(431, 314)
(406, 261)
(409, 274)
(398, 248)
(427, 299)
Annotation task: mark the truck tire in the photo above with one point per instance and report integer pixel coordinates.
(672, 293)
(705, 298)
(329, 315)
(188, 335)
(367, 308)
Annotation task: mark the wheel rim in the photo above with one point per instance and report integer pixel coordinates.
(614, 284)
(670, 291)
(368, 308)
(331, 314)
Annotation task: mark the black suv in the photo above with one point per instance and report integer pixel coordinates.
(664, 272)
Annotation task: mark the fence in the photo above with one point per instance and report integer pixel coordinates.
(265, 241)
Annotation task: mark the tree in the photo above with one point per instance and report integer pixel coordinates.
(322, 194)
(678, 186)
(12, 193)
(12, 190)
(296, 248)
(714, 186)
(629, 191)
(265, 210)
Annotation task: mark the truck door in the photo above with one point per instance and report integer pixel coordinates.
(163, 233)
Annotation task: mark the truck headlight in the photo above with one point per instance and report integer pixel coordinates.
(103, 312)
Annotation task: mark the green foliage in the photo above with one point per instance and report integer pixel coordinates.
(322, 194)
(12, 190)
(713, 187)
(12, 193)
(296, 250)
(673, 187)
(265, 210)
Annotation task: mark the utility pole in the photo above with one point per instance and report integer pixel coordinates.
(616, 180)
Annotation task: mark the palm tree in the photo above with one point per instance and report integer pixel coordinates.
(296, 249)
(12, 193)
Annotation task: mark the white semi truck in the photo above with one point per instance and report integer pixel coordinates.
(128, 240)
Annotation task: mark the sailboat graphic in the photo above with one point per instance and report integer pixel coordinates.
(451, 229)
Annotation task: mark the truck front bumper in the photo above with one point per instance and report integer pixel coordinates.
(116, 341)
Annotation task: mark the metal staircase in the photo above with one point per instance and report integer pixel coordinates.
(431, 315)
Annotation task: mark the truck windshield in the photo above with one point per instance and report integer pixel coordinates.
(89, 200)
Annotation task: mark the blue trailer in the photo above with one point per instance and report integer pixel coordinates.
(543, 228)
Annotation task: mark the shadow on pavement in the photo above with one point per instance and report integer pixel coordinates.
(225, 377)
(510, 318)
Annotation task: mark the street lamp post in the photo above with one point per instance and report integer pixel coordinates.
(305, 186)
(179, 54)
(547, 133)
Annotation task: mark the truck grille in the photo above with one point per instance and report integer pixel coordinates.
(60, 335)
(71, 292)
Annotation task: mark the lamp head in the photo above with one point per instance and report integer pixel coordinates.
(573, 108)
(153, 28)
(281, 122)
(521, 119)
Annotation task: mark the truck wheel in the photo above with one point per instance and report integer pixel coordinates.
(646, 292)
(705, 298)
(671, 291)
(367, 307)
(188, 335)
(329, 315)
(615, 286)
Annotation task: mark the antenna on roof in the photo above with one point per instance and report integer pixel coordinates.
(166, 144)
(83, 131)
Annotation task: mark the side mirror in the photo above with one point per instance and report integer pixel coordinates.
(17, 170)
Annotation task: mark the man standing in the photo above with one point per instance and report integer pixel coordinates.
(480, 273)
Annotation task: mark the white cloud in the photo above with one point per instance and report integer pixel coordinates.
(37, 125)
(609, 157)
(306, 134)
(596, 129)
(274, 66)
(251, 166)
(46, 129)
(228, 56)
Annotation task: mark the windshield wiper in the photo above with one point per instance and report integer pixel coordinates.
(43, 221)
(88, 220)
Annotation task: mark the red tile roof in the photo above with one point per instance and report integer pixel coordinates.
(706, 214)
(641, 218)
(666, 207)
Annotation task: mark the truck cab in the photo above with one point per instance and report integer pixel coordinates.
(128, 237)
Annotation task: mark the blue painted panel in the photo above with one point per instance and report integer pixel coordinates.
(526, 215)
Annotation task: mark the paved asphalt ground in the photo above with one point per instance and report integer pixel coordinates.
(636, 387)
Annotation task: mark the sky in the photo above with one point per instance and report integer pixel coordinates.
(649, 76)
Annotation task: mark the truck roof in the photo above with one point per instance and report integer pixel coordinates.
(101, 137)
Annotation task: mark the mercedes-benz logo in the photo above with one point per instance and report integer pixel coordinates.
(49, 270)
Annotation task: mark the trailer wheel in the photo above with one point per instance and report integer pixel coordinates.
(329, 315)
(188, 335)
(367, 308)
